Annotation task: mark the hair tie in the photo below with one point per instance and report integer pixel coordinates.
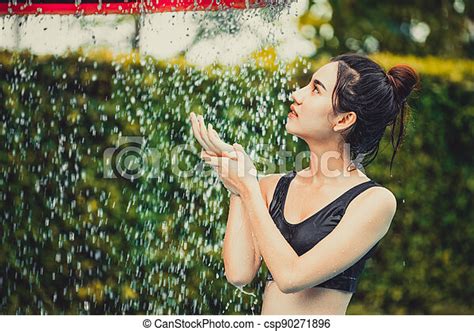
(391, 80)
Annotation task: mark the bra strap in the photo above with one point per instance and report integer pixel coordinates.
(280, 191)
(356, 191)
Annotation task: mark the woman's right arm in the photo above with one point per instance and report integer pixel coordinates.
(241, 254)
(242, 257)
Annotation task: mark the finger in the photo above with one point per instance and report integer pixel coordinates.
(214, 161)
(204, 134)
(222, 172)
(215, 144)
(217, 141)
(238, 150)
(197, 131)
(241, 158)
(231, 155)
(207, 137)
(221, 162)
(205, 153)
(238, 147)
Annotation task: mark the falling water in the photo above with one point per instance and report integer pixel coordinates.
(105, 206)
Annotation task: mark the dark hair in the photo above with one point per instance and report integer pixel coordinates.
(378, 99)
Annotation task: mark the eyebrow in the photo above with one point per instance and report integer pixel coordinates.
(318, 82)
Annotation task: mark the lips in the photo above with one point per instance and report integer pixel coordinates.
(293, 110)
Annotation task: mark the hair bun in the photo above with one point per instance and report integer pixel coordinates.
(404, 79)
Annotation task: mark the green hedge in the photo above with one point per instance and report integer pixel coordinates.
(74, 242)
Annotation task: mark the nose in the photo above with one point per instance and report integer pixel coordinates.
(297, 97)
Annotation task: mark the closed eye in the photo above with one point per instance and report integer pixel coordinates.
(317, 84)
(315, 87)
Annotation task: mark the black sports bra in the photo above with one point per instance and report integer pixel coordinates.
(305, 235)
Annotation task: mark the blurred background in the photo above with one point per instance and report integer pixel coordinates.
(105, 207)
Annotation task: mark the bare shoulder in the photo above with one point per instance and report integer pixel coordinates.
(378, 202)
(267, 186)
(384, 198)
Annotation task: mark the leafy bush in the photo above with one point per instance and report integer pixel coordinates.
(74, 242)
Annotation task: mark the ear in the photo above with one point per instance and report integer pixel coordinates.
(344, 121)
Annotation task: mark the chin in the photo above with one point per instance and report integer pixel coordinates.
(289, 129)
(292, 132)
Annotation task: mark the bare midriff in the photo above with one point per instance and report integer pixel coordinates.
(311, 301)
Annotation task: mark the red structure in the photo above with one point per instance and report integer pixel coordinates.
(90, 7)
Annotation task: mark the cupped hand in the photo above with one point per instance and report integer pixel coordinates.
(235, 169)
(208, 137)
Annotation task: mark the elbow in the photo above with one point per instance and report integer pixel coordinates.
(288, 289)
(288, 285)
(240, 274)
(239, 279)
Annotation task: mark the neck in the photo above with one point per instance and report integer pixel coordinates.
(329, 163)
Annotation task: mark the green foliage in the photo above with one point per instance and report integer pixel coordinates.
(74, 242)
(421, 27)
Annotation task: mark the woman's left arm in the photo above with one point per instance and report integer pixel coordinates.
(366, 220)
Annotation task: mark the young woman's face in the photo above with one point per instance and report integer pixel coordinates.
(313, 105)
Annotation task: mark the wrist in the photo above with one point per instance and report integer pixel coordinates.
(234, 196)
(250, 189)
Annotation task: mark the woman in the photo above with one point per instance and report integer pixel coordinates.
(315, 228)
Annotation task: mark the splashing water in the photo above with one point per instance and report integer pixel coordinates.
(103, 209)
